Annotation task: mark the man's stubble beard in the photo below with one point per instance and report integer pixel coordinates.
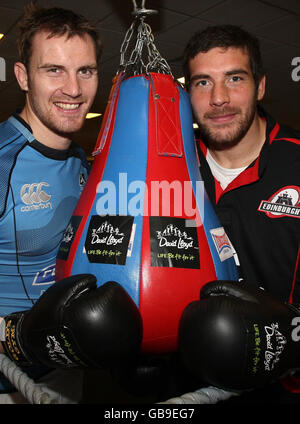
(233, 137)
(49, 120)
(63, 128)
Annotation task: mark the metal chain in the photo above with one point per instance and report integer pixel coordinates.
(144, 57)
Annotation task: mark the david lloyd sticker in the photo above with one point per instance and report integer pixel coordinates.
(173, 244)
(68, 237)
(285, 202)
(108, 238)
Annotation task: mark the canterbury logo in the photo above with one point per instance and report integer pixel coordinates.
(34, 193)
(35, 197)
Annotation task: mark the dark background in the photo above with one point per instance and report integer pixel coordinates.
(275, 22)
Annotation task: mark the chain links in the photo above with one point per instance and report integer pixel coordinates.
(135, 5)
(144, 56)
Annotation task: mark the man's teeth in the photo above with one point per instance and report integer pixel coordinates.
(68, 106)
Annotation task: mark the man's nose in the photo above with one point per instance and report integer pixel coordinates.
(72, 86)
(219, 95)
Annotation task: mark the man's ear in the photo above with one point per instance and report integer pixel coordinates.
(21, 75)
(261, 88)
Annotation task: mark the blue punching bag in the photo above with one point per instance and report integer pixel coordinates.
(144, 219)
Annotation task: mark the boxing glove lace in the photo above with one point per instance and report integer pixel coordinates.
(239, 337)
(75, 324)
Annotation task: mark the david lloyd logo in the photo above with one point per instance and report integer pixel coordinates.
(108, 239)
(180, 239)
(275, 346)
(173, 243)
(107, 234)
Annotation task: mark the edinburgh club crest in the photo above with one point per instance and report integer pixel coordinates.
(285, 202)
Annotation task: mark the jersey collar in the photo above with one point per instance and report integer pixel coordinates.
(252, 173)
(49, 152)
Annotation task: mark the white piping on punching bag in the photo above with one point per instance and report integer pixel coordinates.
(144, 219)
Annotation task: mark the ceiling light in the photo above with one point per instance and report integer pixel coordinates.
(92, 115)
(1, 36)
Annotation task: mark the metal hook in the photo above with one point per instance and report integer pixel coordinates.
(141, 12)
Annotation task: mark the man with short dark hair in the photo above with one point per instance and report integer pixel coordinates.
(249, 162)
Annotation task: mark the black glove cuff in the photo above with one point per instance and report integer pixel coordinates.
(12, 344)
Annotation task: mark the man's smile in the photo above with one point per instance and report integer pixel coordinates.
(222, 119)
(67, 106)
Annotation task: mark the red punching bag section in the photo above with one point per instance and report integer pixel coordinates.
(144, 219)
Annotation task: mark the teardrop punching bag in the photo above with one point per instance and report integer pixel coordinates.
(144, 219)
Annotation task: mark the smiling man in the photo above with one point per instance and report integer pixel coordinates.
(42, 170)
(60, 86)
(225, 104)
(250, 165)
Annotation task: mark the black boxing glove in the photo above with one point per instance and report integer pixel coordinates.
(238, 337)
(75, 324)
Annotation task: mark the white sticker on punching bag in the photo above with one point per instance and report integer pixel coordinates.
(131, 240)
(222, 243)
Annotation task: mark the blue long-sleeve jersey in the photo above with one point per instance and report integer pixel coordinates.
(39, 188)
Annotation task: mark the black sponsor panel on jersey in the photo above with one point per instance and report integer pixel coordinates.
(174, 243)
(68, 237)
(108, 238)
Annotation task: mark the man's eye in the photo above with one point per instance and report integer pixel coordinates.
(202, 83)
(54, 70)
(236, 78)
(87, 72)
